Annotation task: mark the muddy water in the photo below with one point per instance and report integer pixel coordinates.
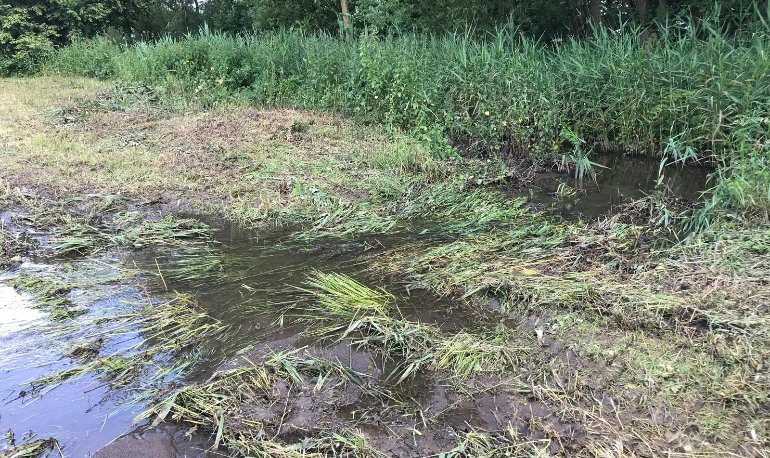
(246, 279)
(243, 279)
(82, 414)
(619, 179)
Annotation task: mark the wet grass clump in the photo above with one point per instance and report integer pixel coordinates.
(166, 231)
(170, 339)
(250, 410)
(30, 448)
(342, 297)
(50, 295)
(379, 326)
(14, 245)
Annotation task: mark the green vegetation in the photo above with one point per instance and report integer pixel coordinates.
(420, 296)
(695, 94)
(588, 334)
(30, 32)
(228, 162)
(175, 336)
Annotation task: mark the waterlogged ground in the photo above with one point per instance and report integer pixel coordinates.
(83, 415)
(336, 292)
(619, 179)
(240, 280)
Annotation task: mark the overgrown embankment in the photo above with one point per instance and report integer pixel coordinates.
(686, 94)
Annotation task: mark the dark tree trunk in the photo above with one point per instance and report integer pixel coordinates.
(642, 6)
(595, 12)
(345, 18)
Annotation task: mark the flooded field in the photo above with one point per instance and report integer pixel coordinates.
(250, 284)
(369, 301)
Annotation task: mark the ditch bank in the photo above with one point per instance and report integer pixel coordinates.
(385, 304)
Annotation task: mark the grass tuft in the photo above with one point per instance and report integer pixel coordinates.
(339, 296)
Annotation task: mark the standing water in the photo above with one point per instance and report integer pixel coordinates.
(243, 281)
(619, 179)
(237, 281)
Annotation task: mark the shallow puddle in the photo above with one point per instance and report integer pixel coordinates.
(619, 180)
(244, 280)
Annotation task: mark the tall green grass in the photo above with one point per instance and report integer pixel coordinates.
(686, 93)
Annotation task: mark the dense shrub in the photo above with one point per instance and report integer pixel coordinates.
(24, 43)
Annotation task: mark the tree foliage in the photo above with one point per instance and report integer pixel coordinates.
(30, 30)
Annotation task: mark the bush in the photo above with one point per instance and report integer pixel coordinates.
(24, 43)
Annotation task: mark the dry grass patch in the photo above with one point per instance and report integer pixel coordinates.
(251, 165)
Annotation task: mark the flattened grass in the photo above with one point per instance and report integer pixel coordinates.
(227, 403)
(171, 339)
(623, 312)
(348, 310)
(50, 295)
(32, 448)
(129, 231)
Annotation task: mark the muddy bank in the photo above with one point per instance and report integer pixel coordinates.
(160, 442)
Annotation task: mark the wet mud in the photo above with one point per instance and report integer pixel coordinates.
(244, 280)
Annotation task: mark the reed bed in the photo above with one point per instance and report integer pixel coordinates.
(684, 95)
